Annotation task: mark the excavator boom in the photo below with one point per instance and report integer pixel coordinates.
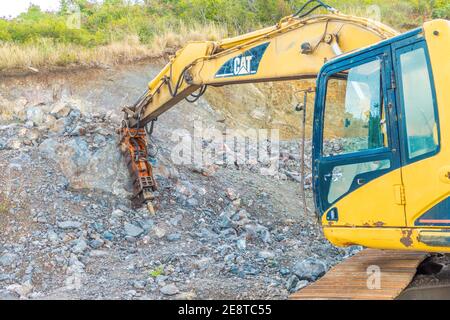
(293, 49)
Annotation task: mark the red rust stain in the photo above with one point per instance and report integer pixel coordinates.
(407, 238)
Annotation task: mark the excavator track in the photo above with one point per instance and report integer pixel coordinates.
(438, 292)
(351, 280)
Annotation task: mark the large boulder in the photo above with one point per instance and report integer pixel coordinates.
(88, 166)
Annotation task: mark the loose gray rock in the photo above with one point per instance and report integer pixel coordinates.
(170, 290)
(36, 115)
(310, 269)
(192, 203)
(139, 284)
(133, 231)
(159, 232)
(131, 293)
(21, 289)
(60, 111)
(80, 246)
(206, 234)
(285, 271)
(116, 214)
(96, 244)
(294, 284)
(291, 283)
(107, 235)
(225, 222)
(74, 114)
(98, 253)
(67, 225)
(4, 277)
(3, 143)
(241, 244)
(78, 131)
(231, 194)
(8, 259)
(14, 144)
(300, 285)
(202, 263)
(8, 295)
(29, 124)
(266, 254)
(147, 224)
(173, 237)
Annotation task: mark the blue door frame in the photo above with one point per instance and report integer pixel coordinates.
(323, 166)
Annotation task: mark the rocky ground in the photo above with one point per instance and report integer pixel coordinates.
(227, 230)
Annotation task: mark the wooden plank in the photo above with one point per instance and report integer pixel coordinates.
(348, 280)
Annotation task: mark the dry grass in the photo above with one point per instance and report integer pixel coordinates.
(5, 205)
(46, 54)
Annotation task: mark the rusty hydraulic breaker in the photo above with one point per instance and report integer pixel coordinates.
(134, 147)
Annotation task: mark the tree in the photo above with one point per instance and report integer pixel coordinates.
(34, 13)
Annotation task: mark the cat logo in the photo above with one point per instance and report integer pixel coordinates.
(244, 64)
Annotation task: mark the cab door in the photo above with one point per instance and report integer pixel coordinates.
(357, 171)
(425, 160)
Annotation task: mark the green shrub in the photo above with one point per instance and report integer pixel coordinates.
(442, 12)
(157, 272)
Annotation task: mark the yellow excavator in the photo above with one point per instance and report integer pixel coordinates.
(381, 144)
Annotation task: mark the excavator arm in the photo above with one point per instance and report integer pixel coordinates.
(296, 48)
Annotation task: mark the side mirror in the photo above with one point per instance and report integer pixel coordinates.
(301, 106)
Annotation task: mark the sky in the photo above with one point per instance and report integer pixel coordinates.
(15, 7)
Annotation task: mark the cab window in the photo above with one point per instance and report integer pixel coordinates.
(354, 124)
(420, 118)
(354, 118)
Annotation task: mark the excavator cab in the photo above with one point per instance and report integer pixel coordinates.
(380, 144)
